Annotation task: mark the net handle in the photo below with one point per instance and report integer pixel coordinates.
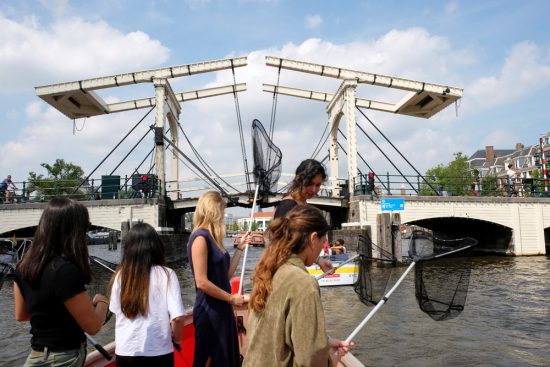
(379, 304)
(387, 295)
(249, 230)
(330, 271)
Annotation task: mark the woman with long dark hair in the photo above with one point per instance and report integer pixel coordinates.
(216, 341)
(286, 324)
(309, 176)
(50, 291)
(146, 300)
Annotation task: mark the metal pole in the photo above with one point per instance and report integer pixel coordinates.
(543, 161)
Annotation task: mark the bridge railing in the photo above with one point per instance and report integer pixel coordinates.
(116, 187)
(415, 185)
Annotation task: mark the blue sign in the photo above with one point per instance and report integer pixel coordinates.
(393, 204)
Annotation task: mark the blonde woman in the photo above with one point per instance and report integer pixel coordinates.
(216, 342)
(286, 324)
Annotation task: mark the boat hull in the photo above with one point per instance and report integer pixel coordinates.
(184, 357)
(345, 275)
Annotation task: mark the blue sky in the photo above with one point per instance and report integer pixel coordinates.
(498, 51)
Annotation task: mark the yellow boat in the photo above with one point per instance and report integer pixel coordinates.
(345, 274)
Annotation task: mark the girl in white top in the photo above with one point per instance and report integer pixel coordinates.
(146, 300)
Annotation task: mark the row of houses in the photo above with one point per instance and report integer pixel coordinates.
(524, 160)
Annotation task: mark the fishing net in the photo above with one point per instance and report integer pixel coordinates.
(267, 159)
(442, 273)
(441, 276)
(102, 271)
(375, 269)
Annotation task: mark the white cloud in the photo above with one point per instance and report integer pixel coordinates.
(524, 73)
(211, 124)
(70, 49)
(57, 7)
(313, 21)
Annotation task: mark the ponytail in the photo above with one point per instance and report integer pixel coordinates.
(287, 235)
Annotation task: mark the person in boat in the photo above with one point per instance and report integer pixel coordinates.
(216, 341)
(146, 301)
(309, 176)
(337, 247)
(326, 250)
(49, 287)
(286, 324)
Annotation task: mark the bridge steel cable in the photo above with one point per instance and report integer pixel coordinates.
(205, 165)
(274, 102)
(397, 150)
(203, 162)
(319, 145)
(388, 158)
(364, 161)
(126, 156)
(240, 124)
(206, 176)
(112, 150)
(136, 170)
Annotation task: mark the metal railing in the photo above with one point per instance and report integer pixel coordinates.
(394, 185)
(398, 185)
(95, 189)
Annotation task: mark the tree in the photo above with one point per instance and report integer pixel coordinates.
(62, 179)
(455, 178)
(489, 186)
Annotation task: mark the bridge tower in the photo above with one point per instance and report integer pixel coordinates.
(77, 99)
(422, 100)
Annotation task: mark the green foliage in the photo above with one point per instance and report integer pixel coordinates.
(454, 178)
(254, 226)
(61, 180)
(490, 187)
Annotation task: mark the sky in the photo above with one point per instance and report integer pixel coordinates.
(498, 51)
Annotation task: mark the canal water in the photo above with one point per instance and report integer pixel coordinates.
(506, 321)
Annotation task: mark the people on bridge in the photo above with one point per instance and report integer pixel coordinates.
(49, 287)
(309, 176)
(146, 301)
(286, 324)
(513, 189)
(216, 340)
(5, 193)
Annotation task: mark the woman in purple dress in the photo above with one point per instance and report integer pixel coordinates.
(216, 342)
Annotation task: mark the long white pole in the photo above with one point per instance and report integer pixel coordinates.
(321, 276)
(379, 304)
(249, 230)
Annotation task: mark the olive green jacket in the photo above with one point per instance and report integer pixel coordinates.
(290, 331)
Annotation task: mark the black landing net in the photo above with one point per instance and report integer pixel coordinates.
(267, 159)
(442, 273)
(375, 269)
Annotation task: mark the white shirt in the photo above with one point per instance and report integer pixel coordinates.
(150, 335)
(511, 174)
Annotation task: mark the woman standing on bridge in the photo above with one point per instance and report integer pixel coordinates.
(216, 342)
(309, 176)
(49, 287)
(286, 325)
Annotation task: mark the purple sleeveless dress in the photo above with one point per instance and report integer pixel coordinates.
(215, 325)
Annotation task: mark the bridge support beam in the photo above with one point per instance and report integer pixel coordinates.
(343, 104)
(167, 108)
